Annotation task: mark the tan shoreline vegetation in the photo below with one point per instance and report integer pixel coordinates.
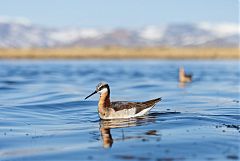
(120, 53)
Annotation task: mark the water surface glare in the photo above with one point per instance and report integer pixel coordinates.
(43, 114)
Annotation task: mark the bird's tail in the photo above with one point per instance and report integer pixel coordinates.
(152, 102)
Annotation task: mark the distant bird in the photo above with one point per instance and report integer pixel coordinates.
(183, 77)
(120, 109)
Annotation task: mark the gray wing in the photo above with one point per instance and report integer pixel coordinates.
(121, 105)
(139, 106)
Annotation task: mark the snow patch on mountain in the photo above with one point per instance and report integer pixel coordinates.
(16, 20)
(221, 30)
(72, 35)
(153, 32)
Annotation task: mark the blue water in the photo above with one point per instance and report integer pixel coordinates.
(43, 114)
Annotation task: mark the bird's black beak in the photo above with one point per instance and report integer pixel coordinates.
(91, 95)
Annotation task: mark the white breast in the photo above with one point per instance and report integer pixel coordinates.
(126, 113)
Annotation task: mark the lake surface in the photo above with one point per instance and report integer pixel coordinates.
(43, 114)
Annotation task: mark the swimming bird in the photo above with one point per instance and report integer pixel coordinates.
(120, 109)
(183, 77)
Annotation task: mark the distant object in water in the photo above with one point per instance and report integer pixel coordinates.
(120, 109)
(183, 77)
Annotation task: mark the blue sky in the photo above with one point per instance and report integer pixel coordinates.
(121, 13)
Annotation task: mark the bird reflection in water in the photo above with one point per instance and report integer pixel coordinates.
(106, 137)
(181, 85)
(107, 125)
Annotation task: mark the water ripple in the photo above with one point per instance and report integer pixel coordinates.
(43, 114)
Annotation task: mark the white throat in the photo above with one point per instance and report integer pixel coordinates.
(104, 90)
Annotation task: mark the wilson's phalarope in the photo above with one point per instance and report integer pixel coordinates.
(120, 109)
(183, 77)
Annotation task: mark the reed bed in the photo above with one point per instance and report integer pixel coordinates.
(120, 53)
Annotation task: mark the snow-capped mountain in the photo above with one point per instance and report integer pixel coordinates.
(22, 34)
